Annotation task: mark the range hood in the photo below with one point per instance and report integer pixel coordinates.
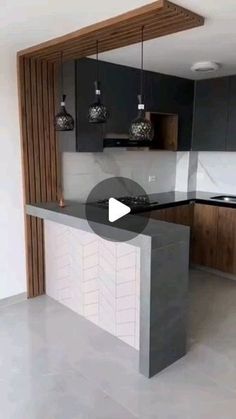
(122, 140)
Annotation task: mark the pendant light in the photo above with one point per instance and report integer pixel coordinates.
(98, 113)
(63, 120)
(141, 128)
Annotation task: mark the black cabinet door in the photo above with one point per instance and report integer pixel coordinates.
(120, 87)
(169, 94)
(211, 114)
(231, 133)
(67, 139)
(89, 137)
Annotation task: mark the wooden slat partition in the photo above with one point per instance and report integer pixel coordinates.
(38, 97)
(39, 153)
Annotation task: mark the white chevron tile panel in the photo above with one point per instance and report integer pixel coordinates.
(97, 279)
(125, 316)
(126, 275)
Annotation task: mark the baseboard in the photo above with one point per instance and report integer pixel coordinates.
(213, 271)
(5, 302)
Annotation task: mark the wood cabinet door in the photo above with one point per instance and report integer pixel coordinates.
(155, 214)
(211, 114)
(204, 235)
(226, 240)
(182, 214)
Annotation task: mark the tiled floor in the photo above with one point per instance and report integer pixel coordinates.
(55, 365)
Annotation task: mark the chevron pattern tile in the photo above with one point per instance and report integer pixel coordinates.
(96, 278)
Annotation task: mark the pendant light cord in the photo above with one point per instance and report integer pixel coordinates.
(142, 81)
(97, 61)
(62, 81)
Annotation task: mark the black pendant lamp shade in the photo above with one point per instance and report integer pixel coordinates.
(63, 120)
(98, 113)
(141, 128)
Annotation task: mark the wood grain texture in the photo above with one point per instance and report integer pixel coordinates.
(159, 18)
(181, 214)
(165, 130)
(226, 240)
(39, 156)
(204, 235)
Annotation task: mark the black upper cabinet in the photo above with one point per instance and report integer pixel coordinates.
(120, 86)
(172, 95)
(231, 132)
(80, 94)
(89, 137)
(211, 115)
(67, 140)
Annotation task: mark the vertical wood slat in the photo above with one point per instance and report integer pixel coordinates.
(56, 96)
(25, 165)
(29, 257)
(52, 133)
(31, 244)
(41, 261)
(37, 180)
(40, 113)
(47, 131)
(39, 157)
(35, 131)
(29, 131)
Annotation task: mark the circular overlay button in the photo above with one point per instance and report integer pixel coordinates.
(116, 209)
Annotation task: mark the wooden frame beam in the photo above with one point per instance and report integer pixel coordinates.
(159, 18)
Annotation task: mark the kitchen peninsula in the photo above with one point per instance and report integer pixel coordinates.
(136, 290)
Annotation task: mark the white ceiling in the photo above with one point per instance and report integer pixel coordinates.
(175, 54)
(26, 22)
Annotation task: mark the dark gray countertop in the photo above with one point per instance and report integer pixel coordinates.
(74, 215)
(77, 210)
(170, 199)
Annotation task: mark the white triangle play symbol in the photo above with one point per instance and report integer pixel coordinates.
(117, 210)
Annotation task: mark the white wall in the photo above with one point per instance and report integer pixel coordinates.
(25, 23)
(12, 256)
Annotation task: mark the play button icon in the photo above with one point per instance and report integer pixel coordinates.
(110, 214)
(117, 210)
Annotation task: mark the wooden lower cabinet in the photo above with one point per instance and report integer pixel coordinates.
(214, 238)
(226, 240)
(204, 235)
(213, 233)
(181, 214)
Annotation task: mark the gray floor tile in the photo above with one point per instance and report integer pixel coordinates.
(57, 397)
(55, 364)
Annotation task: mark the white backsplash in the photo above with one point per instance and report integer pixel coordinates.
(217, 172)
(155, 171)
(182, 167)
